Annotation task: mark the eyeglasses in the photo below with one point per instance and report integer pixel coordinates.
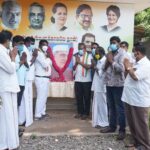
(83, 16)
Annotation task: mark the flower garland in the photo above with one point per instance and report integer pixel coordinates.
(60, 71)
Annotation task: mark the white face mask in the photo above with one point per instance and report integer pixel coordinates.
(10, 45)
(44, 48)
(132, 55)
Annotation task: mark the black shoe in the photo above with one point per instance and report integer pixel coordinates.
(21, 130)
(23, 125)
(121, 136)
(107, 130)
(77, 116)
(37, 118)
(20, 134)
(45, 116)
(84, 117)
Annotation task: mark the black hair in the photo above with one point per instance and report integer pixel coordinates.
(94, 43)
(113, 8)
(115, 38)
(82, 7)
(9, 4)
(80, 44)
(4, 36)
(35, 4)
(101, 50)
(32, 39)
(87, 35)
(125, 43)
(140, 48)
(54, 10)
(17, 38)
(42, 41)
(27, 39)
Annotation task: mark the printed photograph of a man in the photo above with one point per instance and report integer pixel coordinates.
(36, 16)
(60, 53)
(88, 39)
(84, 17)
(11, 14)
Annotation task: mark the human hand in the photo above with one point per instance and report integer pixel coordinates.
(23, 58)
(35, 52)
(77, 59)
(13, 53)
(110, 57)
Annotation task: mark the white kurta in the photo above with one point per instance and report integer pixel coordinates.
(42, 70)
(99, 107)
(26, 107)
(8, 92)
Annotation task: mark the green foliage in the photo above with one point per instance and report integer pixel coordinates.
(143, 19)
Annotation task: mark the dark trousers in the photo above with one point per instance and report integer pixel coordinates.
(116, 108)
(20, 94)
(83, 97)
(137, 118)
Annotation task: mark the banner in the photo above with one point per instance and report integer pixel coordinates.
(66, 23)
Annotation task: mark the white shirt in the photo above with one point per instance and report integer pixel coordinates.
(42, 65)
(21, 71)
(78, 73)
(137, 93)
(98, 84)
(31, 72)
(8, 76)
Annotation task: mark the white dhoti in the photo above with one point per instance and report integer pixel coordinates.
(42, 88)
(26, 107)
(9, 121)
(99, 110)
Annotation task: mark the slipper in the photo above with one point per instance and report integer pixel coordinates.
(129, 145)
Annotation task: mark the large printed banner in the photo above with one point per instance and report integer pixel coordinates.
(66, 23)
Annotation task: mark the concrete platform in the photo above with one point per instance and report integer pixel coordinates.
(61, 122)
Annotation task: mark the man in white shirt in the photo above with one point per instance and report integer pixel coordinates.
(83, 82)
(8, 93)
(42, 79)
(124, 45)
(26, 107)
(136, 95)
(99, 107)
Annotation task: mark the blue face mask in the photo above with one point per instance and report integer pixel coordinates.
(93, 51)
(20, 48)
(113, 47)
(80, 52)
(30, 48)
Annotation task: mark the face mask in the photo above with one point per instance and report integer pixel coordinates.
(93, 51)
(80, 52)
(113, 47)
(20, 48)
(132, 55)
(10, 45)
(97, 56)
(32, 47)
(44, 48)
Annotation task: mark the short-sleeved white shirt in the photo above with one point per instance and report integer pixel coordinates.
(137, 93)
(78, 73)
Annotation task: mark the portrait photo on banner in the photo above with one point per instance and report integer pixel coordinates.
(68, 21)
(61, 55)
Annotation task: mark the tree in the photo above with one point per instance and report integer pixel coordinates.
(142, 19)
